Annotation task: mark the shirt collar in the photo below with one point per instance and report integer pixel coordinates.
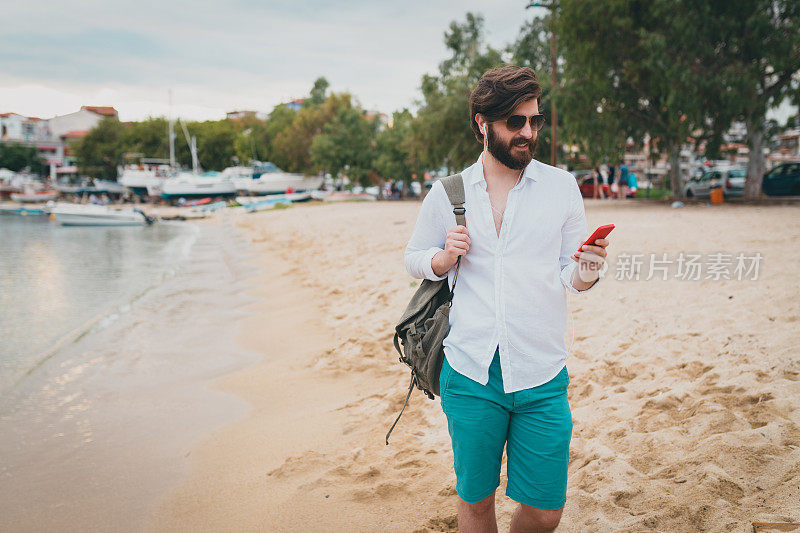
(475, 172)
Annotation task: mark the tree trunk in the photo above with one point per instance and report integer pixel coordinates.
(755, 164)
(675, 180)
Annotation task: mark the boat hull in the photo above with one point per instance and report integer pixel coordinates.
(34, 198)
(96, 216)
(193, 186)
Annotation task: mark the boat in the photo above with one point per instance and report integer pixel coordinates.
(194, 203)
(21, 210)
(192, 185)
(263, 178)
(35, 196)
(268, 203)
(210, 208)
(142, 180)
(97, 215)
(293, 197)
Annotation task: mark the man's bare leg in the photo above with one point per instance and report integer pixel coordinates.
(477, 517)
(529, 519)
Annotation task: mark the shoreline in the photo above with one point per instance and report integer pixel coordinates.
(302, 459)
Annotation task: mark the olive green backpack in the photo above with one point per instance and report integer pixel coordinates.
(426, 321)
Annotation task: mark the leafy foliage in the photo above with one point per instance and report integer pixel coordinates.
(18, 157)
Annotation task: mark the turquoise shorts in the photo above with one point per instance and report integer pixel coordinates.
(534, 425)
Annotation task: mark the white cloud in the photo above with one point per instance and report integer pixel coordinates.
(224, 56)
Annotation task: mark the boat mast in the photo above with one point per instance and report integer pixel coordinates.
(171, 135)
(192, 142)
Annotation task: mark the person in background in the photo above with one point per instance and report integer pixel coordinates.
(603, 177)
(632, 185)
(597, 179)
(623, 176)
(612, 176)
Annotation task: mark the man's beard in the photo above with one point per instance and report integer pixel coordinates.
(502, 151)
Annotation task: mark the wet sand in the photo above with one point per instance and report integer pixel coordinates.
(685, 394)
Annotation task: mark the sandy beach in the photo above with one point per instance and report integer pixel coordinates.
(684, 393)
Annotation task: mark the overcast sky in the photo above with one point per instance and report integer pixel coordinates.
(228, 55)
(223, 56)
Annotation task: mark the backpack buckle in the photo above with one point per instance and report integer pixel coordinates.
(459, 210)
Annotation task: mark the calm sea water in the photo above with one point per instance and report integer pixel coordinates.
(58, 283)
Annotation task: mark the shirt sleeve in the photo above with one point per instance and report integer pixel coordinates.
(573, 233)
(429, 235)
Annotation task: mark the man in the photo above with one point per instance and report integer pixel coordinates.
(504, 379)
(623, 178)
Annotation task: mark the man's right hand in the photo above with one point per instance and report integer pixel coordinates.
(456, 245)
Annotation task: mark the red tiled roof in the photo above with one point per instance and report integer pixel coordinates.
(74, 134)
(101, 110)
(6, 115)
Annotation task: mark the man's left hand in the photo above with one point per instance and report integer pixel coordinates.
(591, 259)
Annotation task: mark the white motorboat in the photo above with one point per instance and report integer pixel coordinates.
(191, 185)
(141, 180)
(267, 178)
(97, 215)
(34, 196)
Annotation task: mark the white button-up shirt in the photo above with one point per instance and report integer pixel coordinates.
(510, 288)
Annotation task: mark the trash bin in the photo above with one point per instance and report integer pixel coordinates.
(717, 196)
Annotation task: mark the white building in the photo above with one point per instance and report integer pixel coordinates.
(85, 119)
(15, 127)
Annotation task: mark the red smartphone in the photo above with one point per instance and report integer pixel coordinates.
(600, 233)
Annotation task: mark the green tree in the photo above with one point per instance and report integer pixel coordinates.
(16, 157)
(292, 145)
(256, 139)
(318, 92)
(441, 135)
(101, 150)
(394, 157)
(643, 78)
(347, 145)
(751, 59)
(532, 49)
(149, 137)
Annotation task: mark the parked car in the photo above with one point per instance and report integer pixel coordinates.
(730, 179)
(783, 180)
(586, 185)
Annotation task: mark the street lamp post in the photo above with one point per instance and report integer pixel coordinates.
(553, 112)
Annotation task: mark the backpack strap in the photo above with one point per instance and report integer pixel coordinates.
(454, 187)
(410, 389)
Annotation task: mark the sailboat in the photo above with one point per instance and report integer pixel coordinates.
(193, 184)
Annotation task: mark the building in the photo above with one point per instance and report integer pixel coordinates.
(51, 137)
(86, 118)
(235, 115)
(787, 149)
(15, 127)
(295, 105)
(383, 119)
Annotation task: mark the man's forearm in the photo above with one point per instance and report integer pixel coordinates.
(440, 264)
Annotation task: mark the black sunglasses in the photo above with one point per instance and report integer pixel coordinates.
(517, 122)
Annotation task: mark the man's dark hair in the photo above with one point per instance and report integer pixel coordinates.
(499, 91)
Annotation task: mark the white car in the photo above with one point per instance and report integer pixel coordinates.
(730, 179)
